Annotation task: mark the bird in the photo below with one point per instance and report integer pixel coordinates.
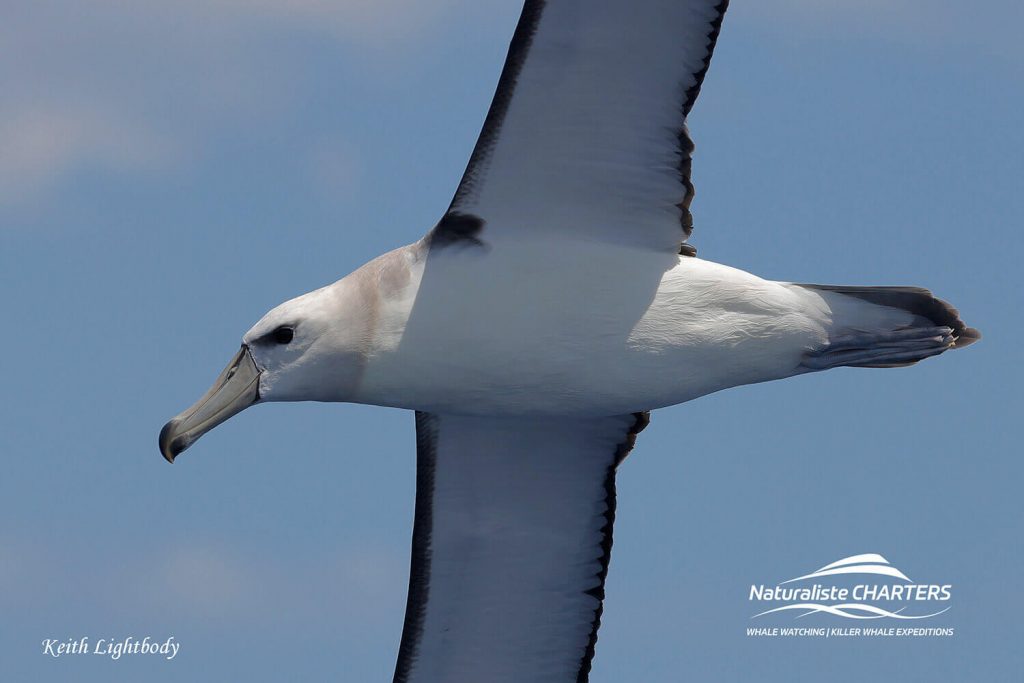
(536, 325)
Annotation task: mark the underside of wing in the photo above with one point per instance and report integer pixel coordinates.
(586, 136)
(511, 546)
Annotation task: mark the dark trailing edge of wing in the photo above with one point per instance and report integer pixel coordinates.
(419, 570)
(641, 420)
(686, 143)
(716, 28)
(419, 574)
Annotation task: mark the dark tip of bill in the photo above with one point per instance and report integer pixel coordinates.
(168, 448)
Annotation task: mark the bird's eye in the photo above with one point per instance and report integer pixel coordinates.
(282, 335)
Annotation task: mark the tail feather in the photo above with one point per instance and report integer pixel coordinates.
(885, 327)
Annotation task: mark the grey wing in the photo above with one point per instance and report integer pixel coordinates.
(586, 137)
(511, 546)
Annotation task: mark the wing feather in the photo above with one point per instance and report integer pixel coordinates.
(512, 538)
(586, 137)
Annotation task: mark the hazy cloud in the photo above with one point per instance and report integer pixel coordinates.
(200, 581)
(141, 85)
(39, 144)
(135, 85)
(204, 581)
(367, 21)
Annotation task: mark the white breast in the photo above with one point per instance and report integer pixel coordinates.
(578, 329)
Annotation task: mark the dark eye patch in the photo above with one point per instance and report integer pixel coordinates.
(282, 335)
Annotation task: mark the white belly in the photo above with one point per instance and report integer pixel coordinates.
(584, 330)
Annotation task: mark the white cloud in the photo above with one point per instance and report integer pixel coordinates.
(129, 85)
(40, 144)
(143, 85)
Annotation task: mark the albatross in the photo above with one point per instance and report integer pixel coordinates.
(539, 321)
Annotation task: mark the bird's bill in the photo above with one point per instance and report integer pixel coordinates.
(237, 388)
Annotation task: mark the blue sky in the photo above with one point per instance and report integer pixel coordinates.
(169, 171)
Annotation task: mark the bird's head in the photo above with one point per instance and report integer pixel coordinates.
(312, 348)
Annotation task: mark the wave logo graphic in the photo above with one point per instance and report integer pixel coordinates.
(869, 563)
(887, 585)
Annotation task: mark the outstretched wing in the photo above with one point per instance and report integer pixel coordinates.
(586, 136)
(511, 546)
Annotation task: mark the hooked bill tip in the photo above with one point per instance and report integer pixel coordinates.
(169, 446)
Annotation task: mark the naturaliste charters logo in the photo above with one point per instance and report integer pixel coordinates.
(860, 587)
